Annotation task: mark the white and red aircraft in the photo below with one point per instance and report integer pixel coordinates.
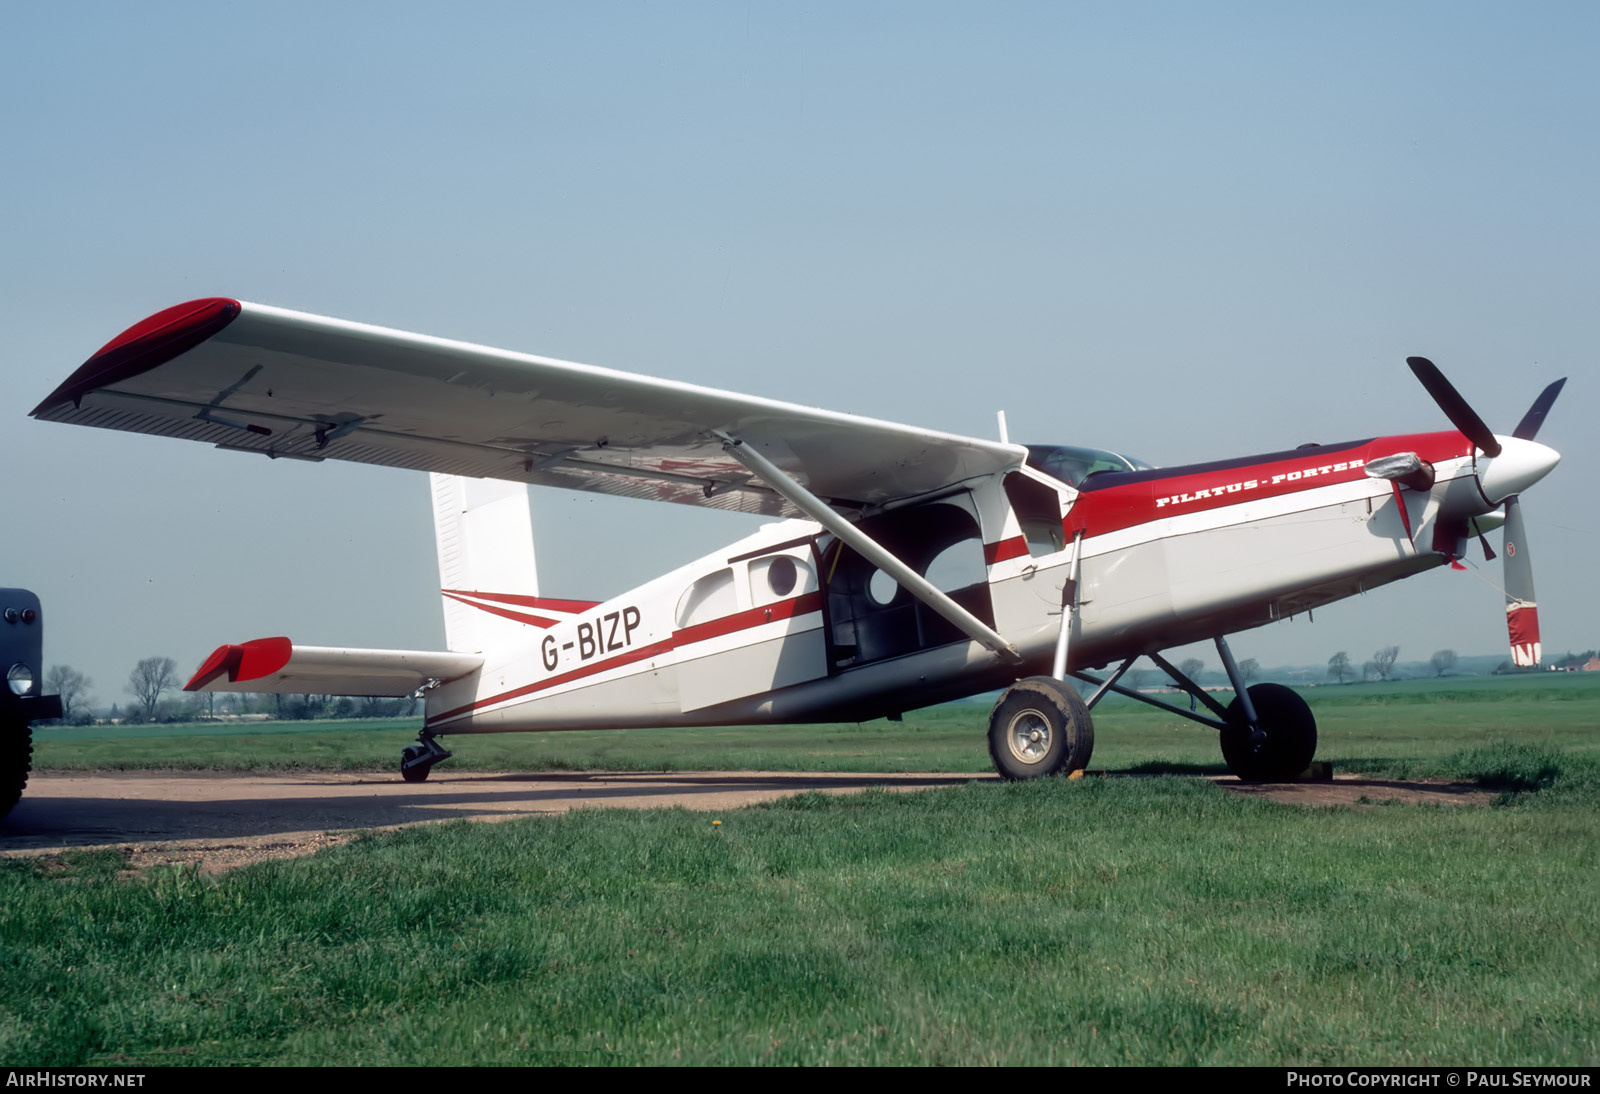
(904, 567)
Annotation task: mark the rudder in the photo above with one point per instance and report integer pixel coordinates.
(484, 534)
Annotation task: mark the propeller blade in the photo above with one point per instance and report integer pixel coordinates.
(1522, 614)
(1528, 428)
(1461, 415)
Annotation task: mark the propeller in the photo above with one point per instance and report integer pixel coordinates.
(1522, 614)
(1528, 428)
(1461, 415)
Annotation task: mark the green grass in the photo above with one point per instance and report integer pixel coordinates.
(1140, 920)
(1155, 921)
(1363, 727)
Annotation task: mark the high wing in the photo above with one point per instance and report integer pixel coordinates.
(254, 378)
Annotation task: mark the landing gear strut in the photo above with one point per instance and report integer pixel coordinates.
(1041, 725)
(1268, 733)
(418, 759)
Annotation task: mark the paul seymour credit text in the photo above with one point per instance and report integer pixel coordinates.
(1454, 1077)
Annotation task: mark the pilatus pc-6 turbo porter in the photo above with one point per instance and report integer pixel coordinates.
(903, 568)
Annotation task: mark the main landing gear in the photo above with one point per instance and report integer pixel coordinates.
(418, 759)
(1040, 726)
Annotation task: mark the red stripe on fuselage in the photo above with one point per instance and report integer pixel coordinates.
(700, 632)
(1004, 550)
(1114, 508)
(1098, 512)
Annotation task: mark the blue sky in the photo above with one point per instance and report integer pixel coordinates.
(1185, 231)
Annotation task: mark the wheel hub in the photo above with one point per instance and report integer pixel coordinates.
(1029, 737)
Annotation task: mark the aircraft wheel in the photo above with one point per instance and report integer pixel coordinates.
(1040, 726)
(1291, 731)
(414, 774)
(16, 758)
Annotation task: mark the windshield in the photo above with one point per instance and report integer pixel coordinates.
(1072, 465)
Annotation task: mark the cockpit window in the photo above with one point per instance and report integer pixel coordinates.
(1072, 465)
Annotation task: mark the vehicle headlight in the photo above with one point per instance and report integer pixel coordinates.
(19, 678)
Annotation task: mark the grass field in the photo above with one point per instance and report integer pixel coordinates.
(1362, 727)
(1153, 920)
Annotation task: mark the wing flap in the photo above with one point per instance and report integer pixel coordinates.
(290, 385)
(277, 665)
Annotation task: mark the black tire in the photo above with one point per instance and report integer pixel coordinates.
(1040, 727)
(16, 759)
(1291, 731)
(414, 774)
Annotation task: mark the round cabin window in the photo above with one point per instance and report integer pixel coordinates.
(882, 588)
(782, 575)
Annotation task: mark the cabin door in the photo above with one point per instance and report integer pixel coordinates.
(870, 617)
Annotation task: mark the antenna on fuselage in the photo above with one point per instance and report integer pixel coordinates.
(1001, 416)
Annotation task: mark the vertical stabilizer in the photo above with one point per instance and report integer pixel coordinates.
(486, 568)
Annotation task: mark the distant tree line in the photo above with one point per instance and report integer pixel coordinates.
(1569, 662)
(154, 685)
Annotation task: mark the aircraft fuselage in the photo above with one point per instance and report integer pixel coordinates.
(788, 625)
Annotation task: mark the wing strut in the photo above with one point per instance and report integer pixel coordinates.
(913, 582)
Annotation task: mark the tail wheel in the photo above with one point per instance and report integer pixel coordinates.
(1290, 742)
(16, 758)
(1040, 726)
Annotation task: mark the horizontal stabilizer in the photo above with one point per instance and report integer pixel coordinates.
(277, 665)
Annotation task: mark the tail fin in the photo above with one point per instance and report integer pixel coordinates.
(486, 566)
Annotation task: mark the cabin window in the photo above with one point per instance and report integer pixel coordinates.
(958, 566)
(712, 597)
(779, 577)
(882, 588)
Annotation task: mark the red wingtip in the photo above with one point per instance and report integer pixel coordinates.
(246, 661)
(146, 344)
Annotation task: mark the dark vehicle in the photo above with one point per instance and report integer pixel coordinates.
(22, 657)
